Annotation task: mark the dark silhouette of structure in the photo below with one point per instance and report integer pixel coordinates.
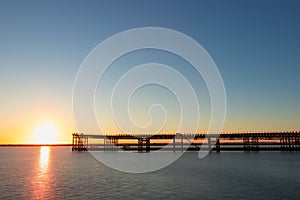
(245, 141)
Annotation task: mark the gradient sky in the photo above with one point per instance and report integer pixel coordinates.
(255, 44)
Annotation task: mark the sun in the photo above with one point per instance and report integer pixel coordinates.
(45, 134)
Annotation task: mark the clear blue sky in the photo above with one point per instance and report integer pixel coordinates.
(255, 44)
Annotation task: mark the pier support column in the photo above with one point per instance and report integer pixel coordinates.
(73, 142)
(254, 143)
(246, 143)
(143, 142)
(181, 143)
(218, 148)
(140, 144)
(289, 142)
(174, 144)
(148, 144)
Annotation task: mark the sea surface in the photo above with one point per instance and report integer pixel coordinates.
(59, 173)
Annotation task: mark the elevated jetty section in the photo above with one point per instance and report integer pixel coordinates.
(245, 141)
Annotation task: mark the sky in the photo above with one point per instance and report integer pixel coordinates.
(255, 45)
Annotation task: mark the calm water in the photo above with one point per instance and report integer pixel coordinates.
(58, 173)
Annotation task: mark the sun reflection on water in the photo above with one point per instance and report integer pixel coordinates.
(44, 159)
(40, 184)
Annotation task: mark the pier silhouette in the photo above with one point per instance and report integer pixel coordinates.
(239, 141)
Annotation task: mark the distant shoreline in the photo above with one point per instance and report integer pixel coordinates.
(34, 145)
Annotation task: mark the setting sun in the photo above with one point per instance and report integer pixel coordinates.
(45, 134)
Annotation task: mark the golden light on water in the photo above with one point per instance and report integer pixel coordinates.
(44, 159)
(40, 182)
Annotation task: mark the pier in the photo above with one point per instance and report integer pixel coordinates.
(245, 141)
